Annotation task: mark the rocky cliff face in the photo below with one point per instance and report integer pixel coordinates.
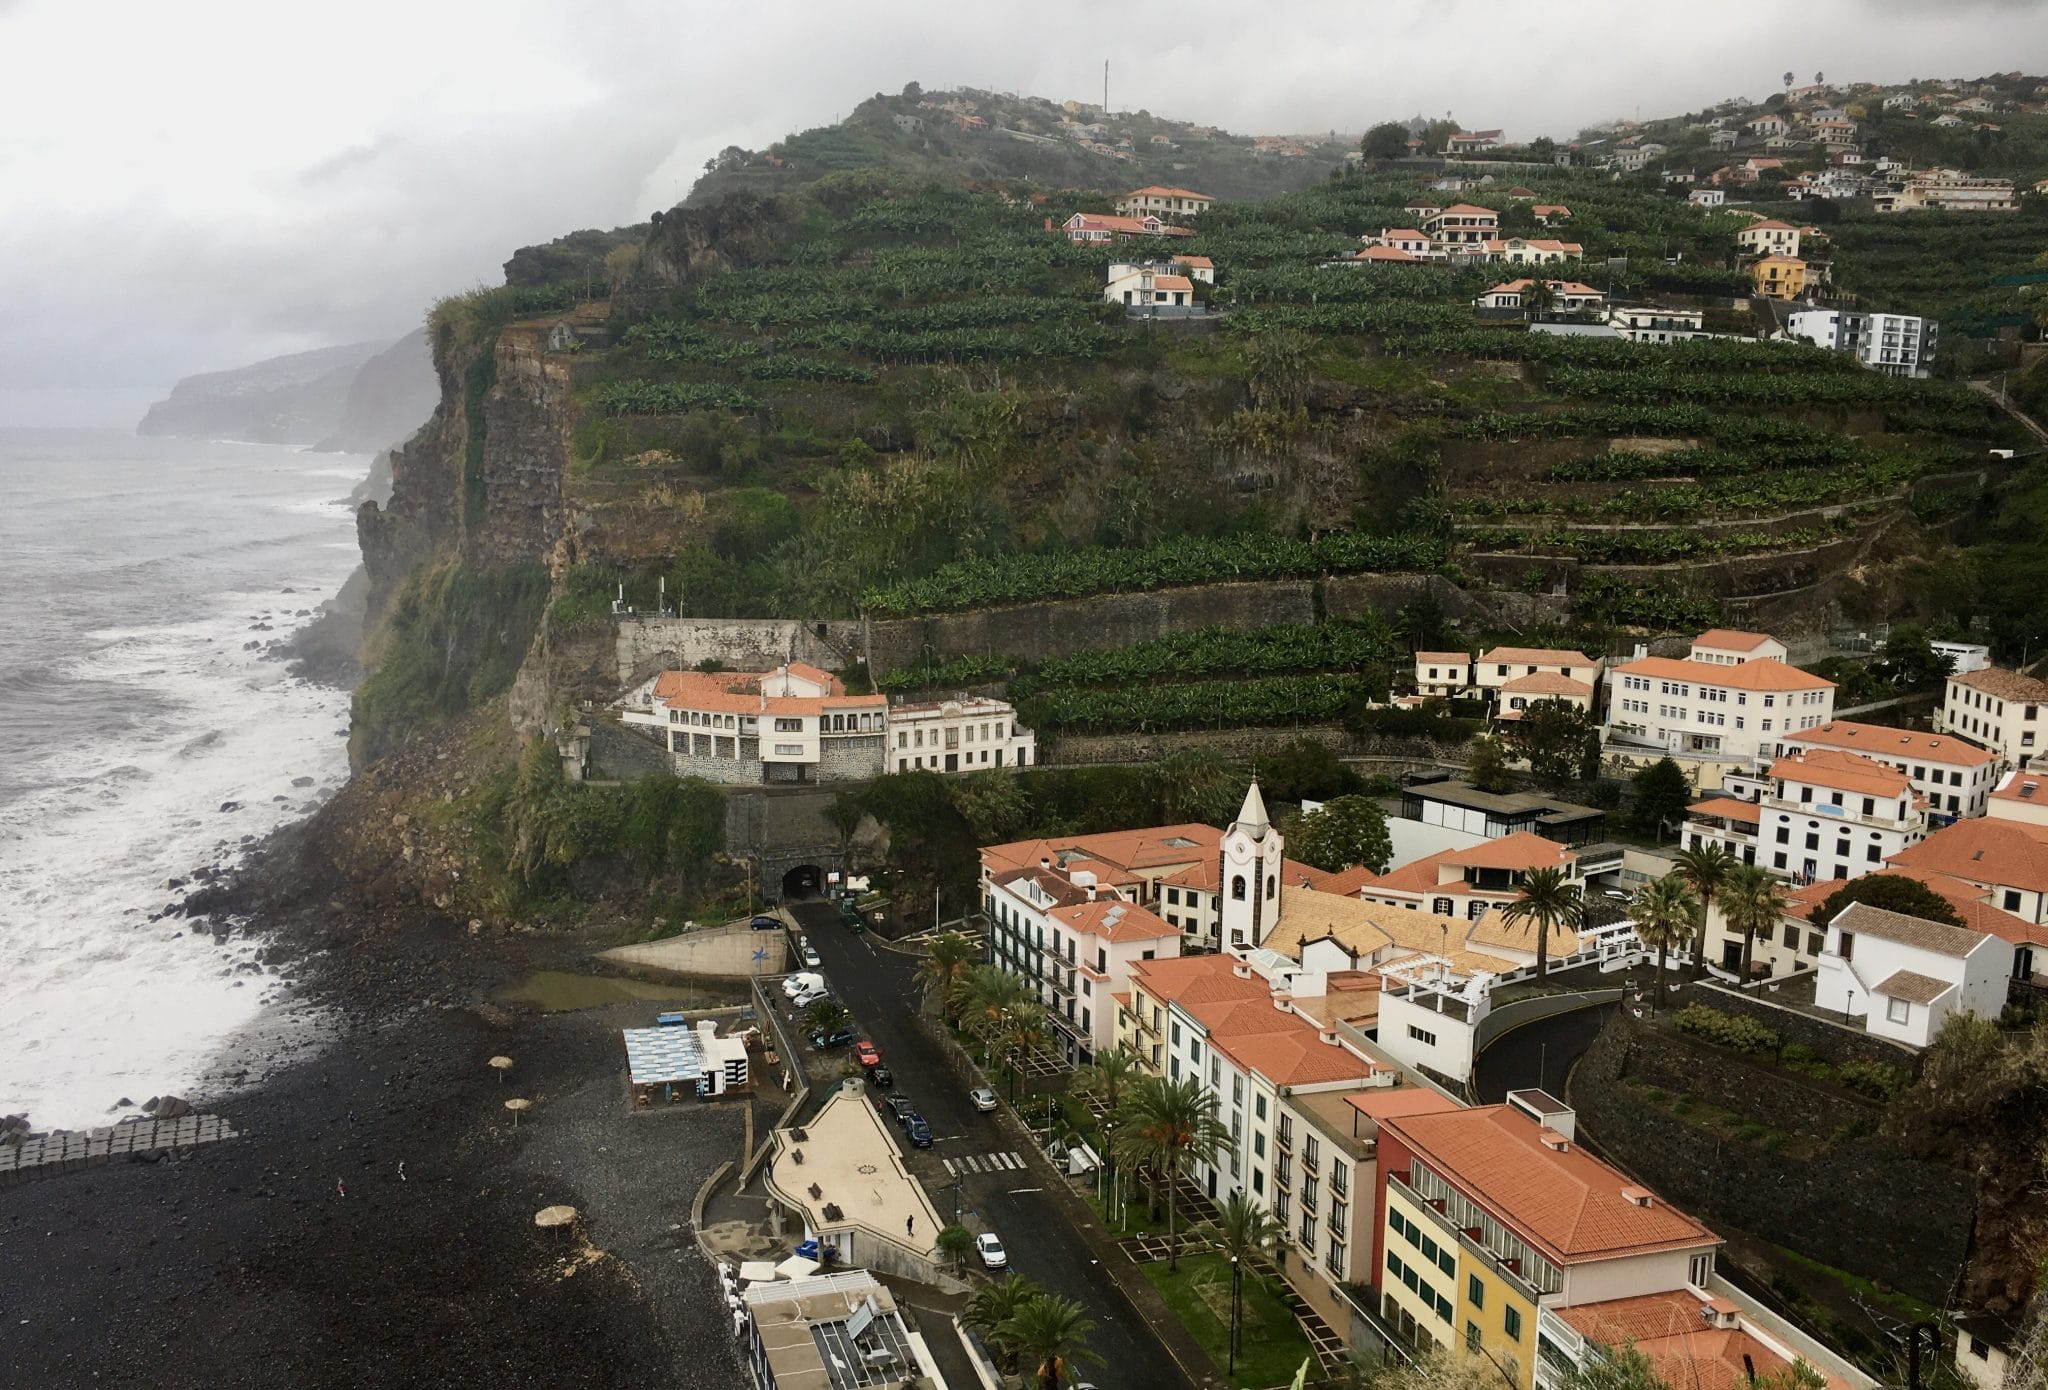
(387, 400)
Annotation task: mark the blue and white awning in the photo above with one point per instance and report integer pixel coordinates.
(658, 1055)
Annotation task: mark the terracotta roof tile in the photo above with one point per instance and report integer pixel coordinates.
(1534, 656)
(2010, 854)
(1913, 987)
(1877, 740)
(1444, 658)
(1849, 772)
(1385, 253)
(1728, 806)
(1113, 919)
(1569, 1205)
(1938, 937)
(1548, 683)
(1765, 673)
(1521, 850)
(1728, 638)
(2005, 685)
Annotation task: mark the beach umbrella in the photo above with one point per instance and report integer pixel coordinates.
(516, 1105)
(503, 1065)
(557, 1218)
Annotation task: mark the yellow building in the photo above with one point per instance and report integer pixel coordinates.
(1779, 277)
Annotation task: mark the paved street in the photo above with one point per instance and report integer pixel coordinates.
(879, 987)
(1536, 1054)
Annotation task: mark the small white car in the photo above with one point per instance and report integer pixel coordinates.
(984, 1099)
(811, 956)
(993, 1256)
(803, 982)
(809, 997)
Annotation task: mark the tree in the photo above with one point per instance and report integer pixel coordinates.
(1538, 297)
(1543, 148)
(1752, 902)
(955, 1243)
(1624, 1368)
(982, 996)
(1052, 1333)
(992, 803)
(826, 1017)
(1662, 794)
(1548, 900)
(1666, 912)
(1108, 1079)
(1387, 140)
(1554, 736)
(1244, 1229)
(1910, 659)
(1342, 834)
(947, 956)
(1705, 869)
(1893, 893)
(1488, 768)
(1024, 1031)
(1441, 1369)
(991, 1307)
(1167, 1126)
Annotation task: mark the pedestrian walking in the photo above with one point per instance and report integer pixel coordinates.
(910, 1226)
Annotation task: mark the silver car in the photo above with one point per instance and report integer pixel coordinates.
(993, 1256)
(984, 1099)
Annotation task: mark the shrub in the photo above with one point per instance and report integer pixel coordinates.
(1732, 1031)
(1878, 1080)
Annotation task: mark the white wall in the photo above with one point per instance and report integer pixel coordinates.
(1413, 839)
(1447, 1050)
(1624, 1278)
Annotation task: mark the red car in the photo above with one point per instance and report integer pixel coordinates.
(867, 1054)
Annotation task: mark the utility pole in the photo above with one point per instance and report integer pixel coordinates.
(1105, 89)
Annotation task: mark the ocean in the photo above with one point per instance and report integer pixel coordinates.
(140, 580)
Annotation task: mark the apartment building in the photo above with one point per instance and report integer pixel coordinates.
(1648, 323)
(2005, 859)
(964, 734)
(1831, 814)
(1694, 706)
(1891, 344)
(1498, 1237)
(1954, 776)
(2005, 711)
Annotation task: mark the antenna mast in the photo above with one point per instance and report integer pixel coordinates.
(1105, 89)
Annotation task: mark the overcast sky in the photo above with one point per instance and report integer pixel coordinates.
(197, 185)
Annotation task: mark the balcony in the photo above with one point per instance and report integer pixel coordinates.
(1467, 1241)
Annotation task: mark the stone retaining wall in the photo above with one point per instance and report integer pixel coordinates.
(1861, 1206)
(1831, 1041)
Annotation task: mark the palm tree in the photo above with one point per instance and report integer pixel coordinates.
(1665, 911)
(947, 956)
(825, 1016)
(1706, 868)
(1024, 1031)
(1107, 1079)
(983, 994)
(1548, 900)
(955, 1242)
(1752, 902)
(1244, 1229)
(1166, 1126)
(993, 1305)
(1053, 1332)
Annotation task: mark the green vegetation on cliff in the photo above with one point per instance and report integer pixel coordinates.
(454, 638)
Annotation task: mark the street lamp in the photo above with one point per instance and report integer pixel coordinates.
(1236, 1299)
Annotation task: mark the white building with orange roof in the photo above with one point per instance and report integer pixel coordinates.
(1461, 224)
(1443, 673)
(2004, 710)
(1470, 883)
(2007, 859)
(1379, 255)
(1492, 670)
(1149, 286)
(1158, 201)
(793, 724)
(1955, 776)
(1832, 814)
(1531, 250)
(1550, 214)
(1524, 693)
(2021, 796)
(1407, 239)
(1095, 227)
(1197, 268)
(1903, 976)
(1721, 646)
(1734, 714)
(1498, 1237)
(968, 733)
(1769, 237)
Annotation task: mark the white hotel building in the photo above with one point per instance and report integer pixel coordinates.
(1698, 708)
(963, 735)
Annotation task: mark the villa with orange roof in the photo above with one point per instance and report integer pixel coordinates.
(793, 724)
(1498, 1237)
(1566, 296)
(1469, 883)
(1496, 670)
(1443, 673)
(1400, 239)
(1769, 237)
(1520, 250)
(1550, 214)
(1087, 227)
(1461, 224)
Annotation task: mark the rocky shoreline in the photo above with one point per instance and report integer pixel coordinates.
(374, 1226)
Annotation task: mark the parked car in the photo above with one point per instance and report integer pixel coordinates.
(1616, 894)
(900, 1107)
(826, 1041)
(920, 1133)
(993, 1256)
(984, 1099)
(882, 1077)
(767, 923)
(908, 1117)
(867, 1054)
(803, 982)
(810, 955)
(800, 1002)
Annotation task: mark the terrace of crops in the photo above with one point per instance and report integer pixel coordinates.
(905, 399)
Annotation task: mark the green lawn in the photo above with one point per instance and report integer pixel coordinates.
(1271, 1342)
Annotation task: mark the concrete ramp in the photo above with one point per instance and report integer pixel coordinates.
(726, 952)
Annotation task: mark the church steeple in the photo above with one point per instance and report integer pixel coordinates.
(1252, 859)
(1251, 817)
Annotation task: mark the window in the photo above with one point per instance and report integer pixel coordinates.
(1511, 1323)
(1980, 1348)
(2011, 900)
(1475, 1292)
(1259, 1106)
(1237, 887)
(1700, 1270)
(1333, 1258)
(789, 726)
(1427, 1039)
(1848, 947)
(1897, 1011)
(789, 750)
(1471, 1336)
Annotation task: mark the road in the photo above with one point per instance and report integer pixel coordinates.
(1536, 1054)
(880, 988)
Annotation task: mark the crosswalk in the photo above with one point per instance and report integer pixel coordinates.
(1005, 1162)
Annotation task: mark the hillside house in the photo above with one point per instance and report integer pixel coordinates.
(1462, 224)
(1407, 239)
(1890, 344)
(1753, 169)
(1903, 976)
(1494, 668)
(1649, 323)
(1091, 227)
(1422, 209)
(1769, 237)
(1162, 202)
(1520, 194)
(1567, 296)
(1550, 214)
(1532, 251)
(1146, 287)
(1767, 125)
(1946, 190)
(1472, 142)
(1901, 101)
(2003, 710)
(1707, 197)
(1443, 673)
(1380, 255)
(1198, 268)
(1779, 277)
(1723, 140)
(963, 734)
